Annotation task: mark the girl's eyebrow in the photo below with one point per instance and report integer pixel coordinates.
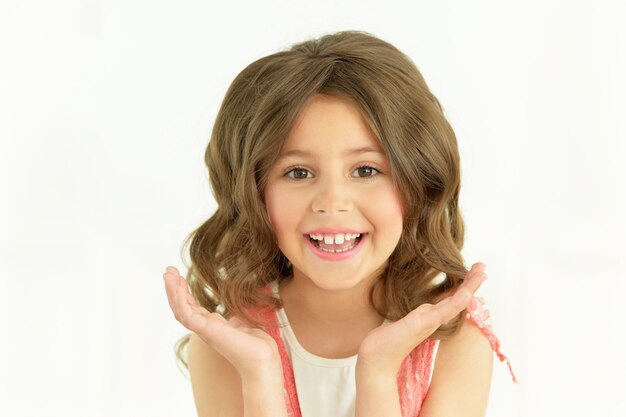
(347, 152)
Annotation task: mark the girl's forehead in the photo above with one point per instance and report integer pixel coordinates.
(330, 125)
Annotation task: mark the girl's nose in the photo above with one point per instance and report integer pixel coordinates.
(332, 197)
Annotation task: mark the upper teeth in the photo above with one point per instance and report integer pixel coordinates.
(337, 238)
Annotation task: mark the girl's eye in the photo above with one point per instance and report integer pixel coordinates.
(299, 173)
(368, 171)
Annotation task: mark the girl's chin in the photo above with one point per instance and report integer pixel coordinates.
(332, 281)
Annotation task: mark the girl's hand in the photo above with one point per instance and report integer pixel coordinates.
(384, 348)
(250, 350)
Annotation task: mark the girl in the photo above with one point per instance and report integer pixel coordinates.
(330, 276)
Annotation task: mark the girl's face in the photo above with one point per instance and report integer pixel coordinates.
(325, 178)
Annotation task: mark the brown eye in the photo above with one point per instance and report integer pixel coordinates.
(367, 171)
(299, 173)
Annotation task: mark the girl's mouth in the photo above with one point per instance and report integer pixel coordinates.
(334, 247)
(336, 251)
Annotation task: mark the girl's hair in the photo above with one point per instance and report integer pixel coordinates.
(234, 254)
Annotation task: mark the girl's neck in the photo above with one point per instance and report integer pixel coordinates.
(329, 324)
(304, 298)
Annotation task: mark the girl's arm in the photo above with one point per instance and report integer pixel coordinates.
(376, 393)
(219, 390)
(461, 376)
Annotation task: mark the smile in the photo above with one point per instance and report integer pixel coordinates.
(336, 251)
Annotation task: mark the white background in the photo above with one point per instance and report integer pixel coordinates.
(106, 108)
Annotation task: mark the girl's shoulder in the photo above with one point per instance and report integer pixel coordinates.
(459, 366)
(462, 369)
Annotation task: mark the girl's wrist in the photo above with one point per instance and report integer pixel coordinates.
(264, 395)
(268, 383)
(367, 373)
(269, 374)
(366, 369)
(376, 393)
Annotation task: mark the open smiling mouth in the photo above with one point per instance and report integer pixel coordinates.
(347, 245)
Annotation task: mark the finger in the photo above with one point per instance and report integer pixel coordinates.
(211, 327)
(448, 308)
(178, 293)
(195, 317)
(473, 281)
(186, 292)
(186, 309)
(475, 270)
(180, 279)
(172, 270)
(460, 299)
(170, 290)
(425, 319)
(174, 293)
(478, 266)
(182, 285)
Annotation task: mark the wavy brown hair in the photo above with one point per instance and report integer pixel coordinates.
(234, 253)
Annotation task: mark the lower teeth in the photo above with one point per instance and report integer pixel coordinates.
(337, 251)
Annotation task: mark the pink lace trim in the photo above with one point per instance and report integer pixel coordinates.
(414, 378)
(478, 314)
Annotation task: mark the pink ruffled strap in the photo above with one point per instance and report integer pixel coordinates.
(272, 327)
(291, 394)
(414, 378)
(478, 314)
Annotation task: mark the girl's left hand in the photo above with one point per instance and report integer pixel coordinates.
(384, 348)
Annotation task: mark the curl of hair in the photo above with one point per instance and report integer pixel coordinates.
(234, 253)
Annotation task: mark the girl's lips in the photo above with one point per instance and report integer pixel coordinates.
(337, 256)
(331, 231)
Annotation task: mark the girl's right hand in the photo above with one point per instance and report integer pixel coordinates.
(251, 351)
